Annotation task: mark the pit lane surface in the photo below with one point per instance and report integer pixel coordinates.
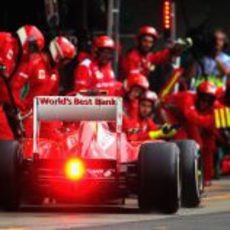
(214, 213)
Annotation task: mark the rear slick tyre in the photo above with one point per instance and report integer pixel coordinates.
(190, 181)
(159, 177)
(10, 159)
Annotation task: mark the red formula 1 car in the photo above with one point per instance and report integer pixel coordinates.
(94, 162)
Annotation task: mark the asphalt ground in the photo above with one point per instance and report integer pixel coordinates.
(213, 214)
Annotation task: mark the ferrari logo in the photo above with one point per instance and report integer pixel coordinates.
(151, 67)
(53, 76)
(41, 74)
(99, 75)
(10, 54)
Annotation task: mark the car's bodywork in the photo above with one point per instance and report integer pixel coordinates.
(94, 161)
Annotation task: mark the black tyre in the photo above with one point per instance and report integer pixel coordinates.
(189, 164)
(159, 187)
(9, 175)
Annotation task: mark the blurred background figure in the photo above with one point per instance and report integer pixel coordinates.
(97, 73)
(215, 65)
(194, 112)
(15, 50)
(142, 58)
(134, 87)
(142, 127)
(40, 75)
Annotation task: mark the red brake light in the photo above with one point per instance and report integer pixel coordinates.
(75, 169)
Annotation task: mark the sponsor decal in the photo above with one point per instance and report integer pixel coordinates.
(75, 101)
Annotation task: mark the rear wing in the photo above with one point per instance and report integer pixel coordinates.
(75, 108)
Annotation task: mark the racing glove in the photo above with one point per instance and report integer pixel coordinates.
(156, 134)
(169, 130)
(166, 131)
